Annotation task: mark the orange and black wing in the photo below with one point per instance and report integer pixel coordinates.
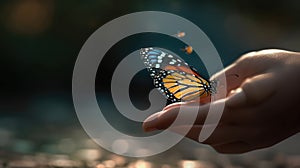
(174, 77)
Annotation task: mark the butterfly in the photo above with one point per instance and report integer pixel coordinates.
(174, 78)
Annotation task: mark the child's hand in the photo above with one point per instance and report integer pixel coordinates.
(262, 107)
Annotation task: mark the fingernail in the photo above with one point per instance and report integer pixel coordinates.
(151, 122)
(237, 98)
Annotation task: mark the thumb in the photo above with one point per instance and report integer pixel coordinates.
(248, 65)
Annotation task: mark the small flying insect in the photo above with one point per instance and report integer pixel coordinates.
(188, 49)
(180, 34)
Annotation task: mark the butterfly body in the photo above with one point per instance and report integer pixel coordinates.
(174, 77)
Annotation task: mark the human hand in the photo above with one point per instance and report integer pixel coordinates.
(262, 107)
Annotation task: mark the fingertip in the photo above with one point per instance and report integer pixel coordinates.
(151, 122)
(236, 98)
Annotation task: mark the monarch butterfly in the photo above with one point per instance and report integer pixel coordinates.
(174, 78)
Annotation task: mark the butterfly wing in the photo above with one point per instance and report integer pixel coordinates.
(174, 77)
(179, 86)
(156, 60)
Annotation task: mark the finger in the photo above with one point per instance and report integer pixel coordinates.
(193, 113)
(253, 91)
(198, 102)
(221, 135)
(164, 119)
(237, 147)
(150, 123)
(188, 112)
(173, 105)
(179, 115)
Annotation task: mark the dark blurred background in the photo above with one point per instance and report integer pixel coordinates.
(40, 41)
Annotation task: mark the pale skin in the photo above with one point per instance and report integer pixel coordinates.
(262, 106)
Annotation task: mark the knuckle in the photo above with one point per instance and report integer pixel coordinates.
(247, 85)
(250, 90)
(246, 58)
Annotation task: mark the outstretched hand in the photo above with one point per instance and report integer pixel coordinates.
(262, 106)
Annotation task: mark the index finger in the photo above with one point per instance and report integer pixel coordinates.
(165, 119)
